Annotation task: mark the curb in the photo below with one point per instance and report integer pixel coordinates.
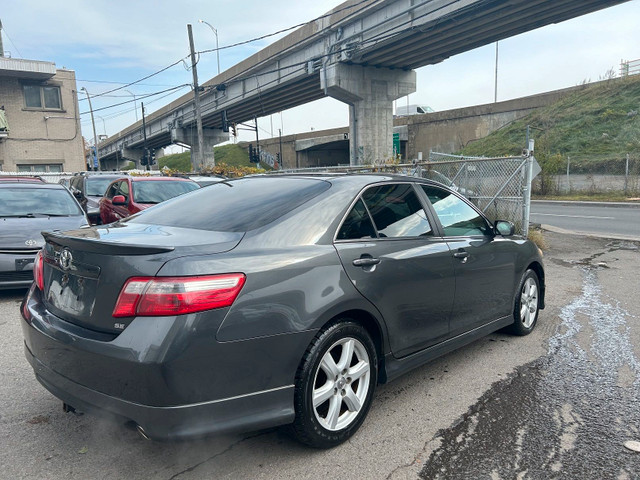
(584, 203)
(563, 231)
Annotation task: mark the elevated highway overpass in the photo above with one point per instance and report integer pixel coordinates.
(363, 53)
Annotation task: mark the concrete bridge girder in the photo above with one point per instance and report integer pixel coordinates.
(212, 137)
(369, 92)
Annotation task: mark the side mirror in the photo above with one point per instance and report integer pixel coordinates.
(76, 193)
(119, 200)
(504, 228)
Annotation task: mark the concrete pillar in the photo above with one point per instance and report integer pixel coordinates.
(370, 93)
(133, 155)
(212, 137)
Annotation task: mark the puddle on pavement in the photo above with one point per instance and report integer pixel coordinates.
(566, 415)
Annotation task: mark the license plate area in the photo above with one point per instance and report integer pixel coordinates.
(23, 264)
(72, 290)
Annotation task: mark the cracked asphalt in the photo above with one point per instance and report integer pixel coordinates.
(559, 403)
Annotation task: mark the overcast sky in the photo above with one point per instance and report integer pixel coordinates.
(111, 41)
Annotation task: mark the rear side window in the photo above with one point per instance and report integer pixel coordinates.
(396, 211)
(234, 206)
(357, 225)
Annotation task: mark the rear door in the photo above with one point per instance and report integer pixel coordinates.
(391, 254)
(484, 263)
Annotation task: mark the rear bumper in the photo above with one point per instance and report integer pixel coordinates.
(169, 377)
(247, 412)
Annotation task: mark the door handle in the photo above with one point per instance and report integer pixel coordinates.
(365, 262)
(462, 255)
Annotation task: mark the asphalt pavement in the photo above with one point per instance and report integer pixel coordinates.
(559, 403)
(605, 219)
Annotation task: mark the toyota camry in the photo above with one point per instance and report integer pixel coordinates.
(271, 300)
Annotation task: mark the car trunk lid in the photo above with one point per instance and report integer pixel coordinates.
(84, 270)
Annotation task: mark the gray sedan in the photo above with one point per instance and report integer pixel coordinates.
(27, 208)
(271, 300)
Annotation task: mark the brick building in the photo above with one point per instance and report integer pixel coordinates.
(39, 118)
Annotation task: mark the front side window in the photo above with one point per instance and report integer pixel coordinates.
(47, 97)
(396, 211)
(455, 215)
(124, 189)
(113, 188)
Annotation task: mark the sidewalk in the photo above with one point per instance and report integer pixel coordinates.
(582, 202)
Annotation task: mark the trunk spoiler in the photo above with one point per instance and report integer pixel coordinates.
(89, 241)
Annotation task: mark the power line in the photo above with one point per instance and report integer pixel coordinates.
(137, 98)
(4, 29)
(122, 83)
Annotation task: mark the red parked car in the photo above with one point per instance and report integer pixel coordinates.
(129, 195)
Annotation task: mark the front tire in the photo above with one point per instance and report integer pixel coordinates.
(527, 305)
(334, 385)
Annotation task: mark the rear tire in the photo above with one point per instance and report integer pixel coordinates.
(527, 305)
(334, 385)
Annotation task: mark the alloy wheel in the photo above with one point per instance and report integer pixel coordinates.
(528, 302)
(341, 384)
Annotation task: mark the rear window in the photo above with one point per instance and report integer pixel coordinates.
(157, 191)
(20, 202)
(234, 206)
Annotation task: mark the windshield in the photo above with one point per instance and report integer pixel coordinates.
(234, 206)
(96, 186)
(149, 191)
(21, 202)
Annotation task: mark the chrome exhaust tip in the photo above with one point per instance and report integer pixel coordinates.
(142, 433)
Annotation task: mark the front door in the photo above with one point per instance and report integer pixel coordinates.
(484, 263)
(391, 254)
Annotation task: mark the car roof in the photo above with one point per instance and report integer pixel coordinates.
(49, 186)
(161, 179)
(20, 179)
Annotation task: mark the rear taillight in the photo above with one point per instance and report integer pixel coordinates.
(38, 271)
(157, 296)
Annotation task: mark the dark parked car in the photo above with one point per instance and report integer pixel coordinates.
(89, 188)
(130, 195)
(27, 207)
(272, 300)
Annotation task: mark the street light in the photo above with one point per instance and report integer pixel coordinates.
(104, 125)
(135, 105)
(215, 32)
(93, 123)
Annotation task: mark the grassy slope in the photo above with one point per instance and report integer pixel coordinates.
(590, 125)
(231, 155)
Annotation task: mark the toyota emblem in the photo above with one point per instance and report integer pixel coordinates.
(30, 243)
(65, 259)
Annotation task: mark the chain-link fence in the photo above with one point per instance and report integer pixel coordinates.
(620, 177)
(497, 186)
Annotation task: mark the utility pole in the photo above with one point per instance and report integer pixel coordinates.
(280, 140)
(146, 155)
(255, 119)
(96, 165)
(495, 97)
(196, 97)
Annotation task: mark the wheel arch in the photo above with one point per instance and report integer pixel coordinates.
(539, 270)
(373, 327)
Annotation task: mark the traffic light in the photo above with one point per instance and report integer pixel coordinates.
(234, 130)
(225, 122)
